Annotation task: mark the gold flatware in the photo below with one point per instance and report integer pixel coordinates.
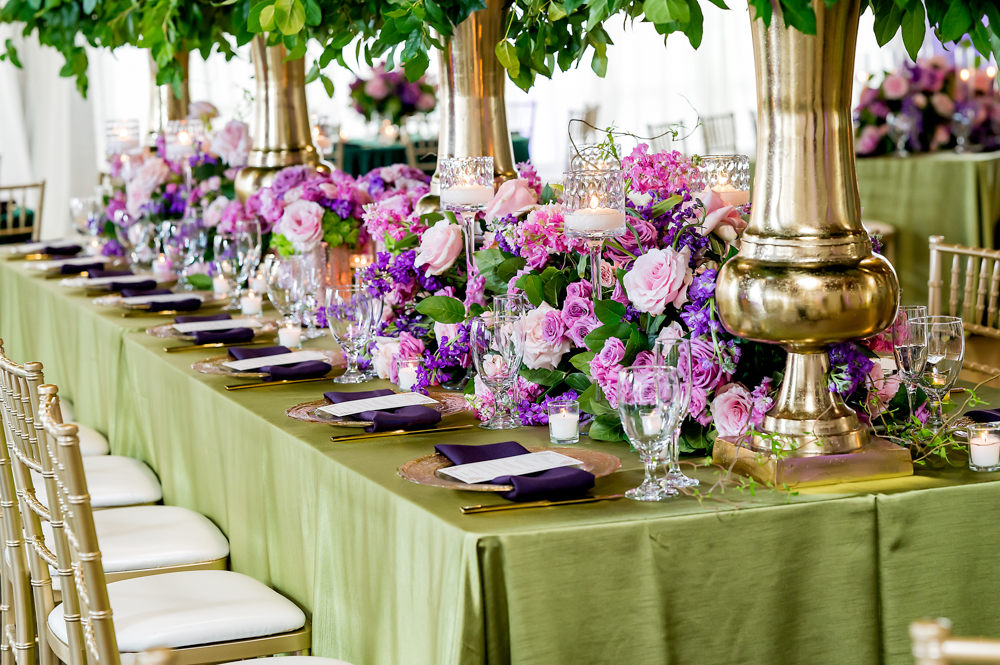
(475, 510)
(398, 432)
(28, 257)
(268, 384)
(213, 345)
(165, 312)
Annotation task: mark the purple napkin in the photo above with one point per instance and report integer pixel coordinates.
(129, 293)
(310, 369)
(109, 273)
(243, 354)
(137, 288)
(405, 417)
(75, 269)
(194, 318)
(231, 336)
(66, 250)
(983, 415)
(186, 305)
(553, 485)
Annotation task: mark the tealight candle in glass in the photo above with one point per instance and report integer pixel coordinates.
(728, 176)
(181, 138)
(984, 447)
(251, 304)
(593, 157)
(564, 421)
(466, 187)
(258, 283)
(290, 334)
(122, 137)
(594, 204)
(406, 373)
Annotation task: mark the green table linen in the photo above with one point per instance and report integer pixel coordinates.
(391, 572)
(363, 155)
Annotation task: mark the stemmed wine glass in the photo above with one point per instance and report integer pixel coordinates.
(86, 212)
(909, 346)
(676, 353)
(900, 126)
(282, 275)
(375, 307)
(348, 313)
(313, 276)
(945, 352)
(184, 243)
(649, 409)
(136, 237)
(234, 254)
(497, 346)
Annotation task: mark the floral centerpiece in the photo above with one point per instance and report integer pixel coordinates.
(657, 281)
(389, 95)
(929, 94)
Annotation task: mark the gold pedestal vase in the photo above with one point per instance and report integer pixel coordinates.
(164, 105)
(805, 276)
(471, 97)
(282, 136)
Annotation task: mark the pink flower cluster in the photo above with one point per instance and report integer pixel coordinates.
(735, 409)
(605, 366)
(526, 171)
(663, 173)
(707, 374)
(541, 234)
(389, 350)
(578, 312)
(393, 216)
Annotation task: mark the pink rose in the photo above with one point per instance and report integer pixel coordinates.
(920, 100)
(721, 219)
(553, 328)
(212, 184)
(213, 213)
(153, 173)
(376, 88)
(426, 102)
(439, 247)
(540, 352)
(868, 95)
(673, 331)
(232, 143)
(881, 388)
(607, 274)
(870, 137)
(203, 110)
(580, 328)
(445, 331)
(943, 105)
(581, 289)
(410, 348)
(232, 213)
(513, 197)
(942, 134)
(658, 278)
(895, 86)
(302, 225)
(383, 353)
(731, 410)
(577, 308)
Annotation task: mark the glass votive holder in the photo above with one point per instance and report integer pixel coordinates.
(593, 157)
(594, 203)
(984, 447)
(122, 136)
(251, 304)
(257, 282)
(466, 183)
(406, 373)
(290, 334)
(564, 421)
(182, 137)
(728, 176)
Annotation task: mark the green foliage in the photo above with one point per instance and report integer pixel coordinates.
(200, 282)
(443, 309)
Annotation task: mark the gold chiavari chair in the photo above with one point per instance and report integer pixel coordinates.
(934, 645)
(583, 132)
(21, 212)
(419, 150)
(974, 297)
(720, 134)
(207, 616)
(661, 137)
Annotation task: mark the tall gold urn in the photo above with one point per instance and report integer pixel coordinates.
(164, 105)
(471, 95)
(805, 276)
(281, 135)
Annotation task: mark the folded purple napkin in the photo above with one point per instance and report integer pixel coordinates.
(983, 415)
(137, 288)
(76, 269)
(310, 369)
(129, 293)
(109, 273)
(554, 484)
(231, 336)
(243, 354)
(194, 318)
(405, 417)
(65, 250)
(187, 305)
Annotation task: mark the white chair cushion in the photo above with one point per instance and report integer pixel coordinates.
(92, 442)
(113, 481)
(188, 609)
(154, 537)
(67, 411)
(298, 660)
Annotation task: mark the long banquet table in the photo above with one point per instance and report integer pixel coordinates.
(391, 572)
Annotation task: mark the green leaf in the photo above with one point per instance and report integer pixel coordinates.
(593, 401)
(507, 55)
(12, 54)
(609, 312)
(762, 10)
(556, 12)
(913, 29)
(416, 66)
(956, 22)
(88, 6)
(606, 429)
(596, 339)
(534, 289)
(200, 282)
(887, 23)
(443, 309)
(599, 64)
(554, 288)
(799, 14)
(267, 18)
(327, 84)
(581, 361)
(314, 15)
(488, 259)
(544, 377)
(577, 382)
(289, 15)
(663, 207)
(510, 267)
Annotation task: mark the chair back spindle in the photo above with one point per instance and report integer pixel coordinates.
(21, 212)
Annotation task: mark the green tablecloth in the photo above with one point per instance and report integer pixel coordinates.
(361, 156)
(391, 572)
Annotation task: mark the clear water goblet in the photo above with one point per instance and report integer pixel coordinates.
(87, 213)
(282, 276)
(909, 347)
(945, 353)
(676, 353)
(648, 408)
(348, 312)
(136, 238)
(900, 126)
(497, 346)
(233, 255)
(375, 308)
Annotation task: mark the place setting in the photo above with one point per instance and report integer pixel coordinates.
(41, 251)
(57, 268)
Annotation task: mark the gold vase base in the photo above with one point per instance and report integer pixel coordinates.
(427, 204)
(877, 460)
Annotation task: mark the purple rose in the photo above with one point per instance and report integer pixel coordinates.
(581, 289)
(293, 176)
(612, 353)
(580, 328)
(553, 327)
(575, 309)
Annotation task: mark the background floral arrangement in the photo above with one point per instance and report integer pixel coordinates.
(928, 93)
(389, 95)
(658, 281)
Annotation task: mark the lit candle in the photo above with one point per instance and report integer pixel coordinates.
(182, 146)
(984, 450)
(161, 269)
(594, 218)
(320, 138)
(94, 247)
(407, 375)
(290, 335)
(467, 195)
(251, 304)
(563, 426)
(220, 284)
(652, 424)
(965, 74)
(730, 195)
(258, 283)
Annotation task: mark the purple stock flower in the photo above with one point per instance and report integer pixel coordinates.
(849, 367)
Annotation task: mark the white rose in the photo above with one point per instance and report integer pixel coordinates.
(539, 354)
(386, 348)
(213, 213)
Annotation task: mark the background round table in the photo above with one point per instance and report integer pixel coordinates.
(363, 155)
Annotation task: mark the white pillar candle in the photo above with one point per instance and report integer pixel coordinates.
(732, 196)
(985, 450)
(290, 335)
(564, 426)
(161, 269)
(594, 220)
(258, 284)
(251, 304)
(220, 284)
(652, 424)
(407, 377)
(467, 195)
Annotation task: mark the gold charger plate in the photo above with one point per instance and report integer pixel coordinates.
(168, 332)
(214, 366)
(448, 404)
(424, 470)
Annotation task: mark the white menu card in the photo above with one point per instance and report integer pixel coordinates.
(225, 324)
(518, 465)
(279, 359)
(376, 404)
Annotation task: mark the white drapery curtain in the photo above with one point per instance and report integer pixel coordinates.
(48, 131)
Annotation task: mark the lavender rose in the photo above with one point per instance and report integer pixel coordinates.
(731, 410)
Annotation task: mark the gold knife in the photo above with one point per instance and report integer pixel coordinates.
(475, 510)
(268, 384)
(398, 432)
(213, 345)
